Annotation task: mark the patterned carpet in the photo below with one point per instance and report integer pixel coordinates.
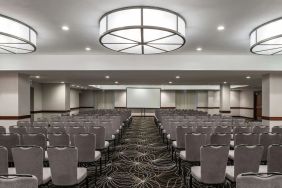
(140, 160)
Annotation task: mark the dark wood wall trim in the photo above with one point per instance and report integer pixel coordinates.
(205, 107)
(14, 117)
(86, 107)
(49, 111)
(245, 108)
(225, 111)
(74, 108)
(271, 118)
(243, 117)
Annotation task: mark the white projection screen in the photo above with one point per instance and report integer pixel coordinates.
(143, 97)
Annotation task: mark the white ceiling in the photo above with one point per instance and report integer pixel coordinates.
(202, 16)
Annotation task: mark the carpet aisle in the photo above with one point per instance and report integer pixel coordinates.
(140, 160)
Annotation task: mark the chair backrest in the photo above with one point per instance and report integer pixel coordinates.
(40, 124)
(220, 139)
(180, 135)
(213, 163)
(72, 131)
(18, 130)
(35, 140)
(259, 180)
(63, 163)
(59, 139)
(18, 181)
(29, 160)
(223, 129)
(247, 159)
(260, 129)
(38, 130)
(246, 138)
(56, 129)
(2, 130)
(86, 146)
(277, 129)
(193, 143)
(268, 139)
(241, 129)
(100, 136)
(9, 141)
(24, 123)
(4, 160)
(274, 159)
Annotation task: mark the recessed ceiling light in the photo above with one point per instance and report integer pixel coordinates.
(62, 82)
(199, 49)
(87, 48)
(225, 82)
(37, 77)
(170, 82)
(220, 28)
(248, 77)
(65, 28)
(116, 82)
(107, 77)
(177, 77)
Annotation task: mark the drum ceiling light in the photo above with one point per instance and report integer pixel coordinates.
(142, 30)
(266, 39)
(16, 37)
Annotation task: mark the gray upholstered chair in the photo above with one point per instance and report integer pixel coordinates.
(277, 129)
(29, 160)
(86, 145)
(266, 140)
(74, 130)
(63, 164)
(9, 141)
(260, 129)
(2, 130)
(38, 130)
(223, 129)
(35, 140)
(221, 139)
(208, 130)
(241, 129)
(4, 160)
(40, 124)
(101, 143)
(213, 165)
(18, 181)
(259, 180)
(58, 139)
(56, 129)
(247, 159)
(24, 123)
(18, 130)
(274, 159)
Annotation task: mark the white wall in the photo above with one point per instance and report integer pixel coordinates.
(167, 98)
(235, 103)
(213, 102)
(186, 99)
(104, 99)
(120, 98)
(74, 98)
(247, 101)
(86, 99)
(202, 100)
(37, 97)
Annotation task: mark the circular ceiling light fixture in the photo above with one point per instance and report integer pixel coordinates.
(16, 37)
(142, 30)
(266, 39)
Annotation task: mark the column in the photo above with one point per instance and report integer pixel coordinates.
(213, 102)
(225, 99)
(271, 99)
(14, 98)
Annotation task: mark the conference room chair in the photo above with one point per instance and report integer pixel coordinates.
(38, 130)
(179, 143)
(4, 160)
(58, 139)
(72, 131)
(35, 140)
(241, 129)
(24, 123)
(267, 139)
(18, 181)
(2, 130)
(101, 143)
(110, 137)
(246, 159)
(260, 129)
(277, 129)
(40, 124)
(208, 130)
(223, 129)
(18, 130)
(87, 125)
(243, 138)
(9, 141)
(57, 124)
(29, 160)
(191, 154)
(56, 129)
(63, 165)
(220, 139)
(259, 180)
(213, 160)
(274, 159)
(87, 153)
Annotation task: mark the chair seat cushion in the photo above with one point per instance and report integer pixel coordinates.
(81, 174)
(183, 155)
(196, 172)
(262, 168)
(117, 131)
(162, 127)
(168, 136)
(46, 156)
(231, 154)
(12, 171)
(230, 173)
(113, 137)
(107, 144)
(164, 131)
(97, 155)
(120, 127)
(174, 144)
(232, 143)
(46, 175)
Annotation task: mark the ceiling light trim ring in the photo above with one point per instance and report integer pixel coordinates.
(260, 43)
(140, 27)
(23, 41)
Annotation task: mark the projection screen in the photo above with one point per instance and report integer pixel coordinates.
(143, 97)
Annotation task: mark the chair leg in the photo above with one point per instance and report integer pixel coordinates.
(108, 153)
(179, 165)
(101, 166)
(190, 181)
(184, 175)
(96, 171)
(172, 151)
(87, 182)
